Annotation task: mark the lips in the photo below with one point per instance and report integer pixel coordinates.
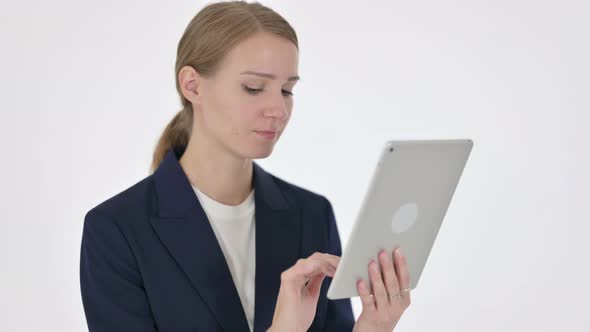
(267, 133)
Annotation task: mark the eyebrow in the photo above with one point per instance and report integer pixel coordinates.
(271, 76)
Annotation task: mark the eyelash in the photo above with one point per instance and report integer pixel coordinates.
(255, 91)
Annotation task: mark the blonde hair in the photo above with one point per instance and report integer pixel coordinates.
(206, 40)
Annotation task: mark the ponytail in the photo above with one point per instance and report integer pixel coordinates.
(176, 134)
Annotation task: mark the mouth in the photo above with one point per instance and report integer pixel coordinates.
(268, 134)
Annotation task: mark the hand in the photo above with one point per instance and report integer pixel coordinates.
(383, 309)
(299, 292)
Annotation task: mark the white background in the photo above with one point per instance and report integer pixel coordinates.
(87, 87)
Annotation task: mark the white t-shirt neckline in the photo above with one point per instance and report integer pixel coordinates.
(225, 211)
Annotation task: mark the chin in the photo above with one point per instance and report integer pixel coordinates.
(261, 154)
(259, 151)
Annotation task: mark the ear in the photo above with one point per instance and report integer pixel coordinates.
(189, 81)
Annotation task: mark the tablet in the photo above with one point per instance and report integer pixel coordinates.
(404, 206)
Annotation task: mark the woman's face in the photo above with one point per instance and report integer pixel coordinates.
(246, 106)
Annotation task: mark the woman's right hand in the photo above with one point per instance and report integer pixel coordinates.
(300, 288)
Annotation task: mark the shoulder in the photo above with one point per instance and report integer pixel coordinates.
(300, 196)
(315, 208)
(130, 204)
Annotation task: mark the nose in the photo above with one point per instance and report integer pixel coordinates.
(279, 109)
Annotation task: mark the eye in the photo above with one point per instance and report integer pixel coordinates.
(253, 91)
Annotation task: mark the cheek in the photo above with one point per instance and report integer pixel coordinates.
(241, 120)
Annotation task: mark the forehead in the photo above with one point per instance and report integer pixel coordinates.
(263, 52)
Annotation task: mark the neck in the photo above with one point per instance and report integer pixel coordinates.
(216, 172)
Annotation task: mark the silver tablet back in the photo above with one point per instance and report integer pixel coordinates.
(405, 204)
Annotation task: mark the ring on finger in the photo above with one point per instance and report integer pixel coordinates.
(391, 297)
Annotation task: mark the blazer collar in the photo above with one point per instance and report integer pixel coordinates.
(183, 227)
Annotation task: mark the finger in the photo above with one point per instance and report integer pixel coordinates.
(328, 260)
(379, 291)
(305, 269)
(315, 284)
(403, 273)
(317, 264)
(366, 298)
(313, 280)
(332, 259)
(389, 273)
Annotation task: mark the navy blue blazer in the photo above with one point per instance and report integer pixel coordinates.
(150, 260)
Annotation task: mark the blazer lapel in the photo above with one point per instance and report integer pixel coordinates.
(278, 244)
(183, 227)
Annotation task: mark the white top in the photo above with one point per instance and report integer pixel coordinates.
(234, 228)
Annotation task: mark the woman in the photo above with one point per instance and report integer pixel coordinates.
(210, 241)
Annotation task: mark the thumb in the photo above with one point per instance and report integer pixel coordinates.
(315, 284)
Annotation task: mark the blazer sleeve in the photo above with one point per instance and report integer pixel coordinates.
(112, 291)
(339, 315)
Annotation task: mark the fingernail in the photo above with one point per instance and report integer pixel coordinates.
(362, 283)
(399, 252)
(373, 265)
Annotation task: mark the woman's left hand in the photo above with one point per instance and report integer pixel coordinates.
(391, 298)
